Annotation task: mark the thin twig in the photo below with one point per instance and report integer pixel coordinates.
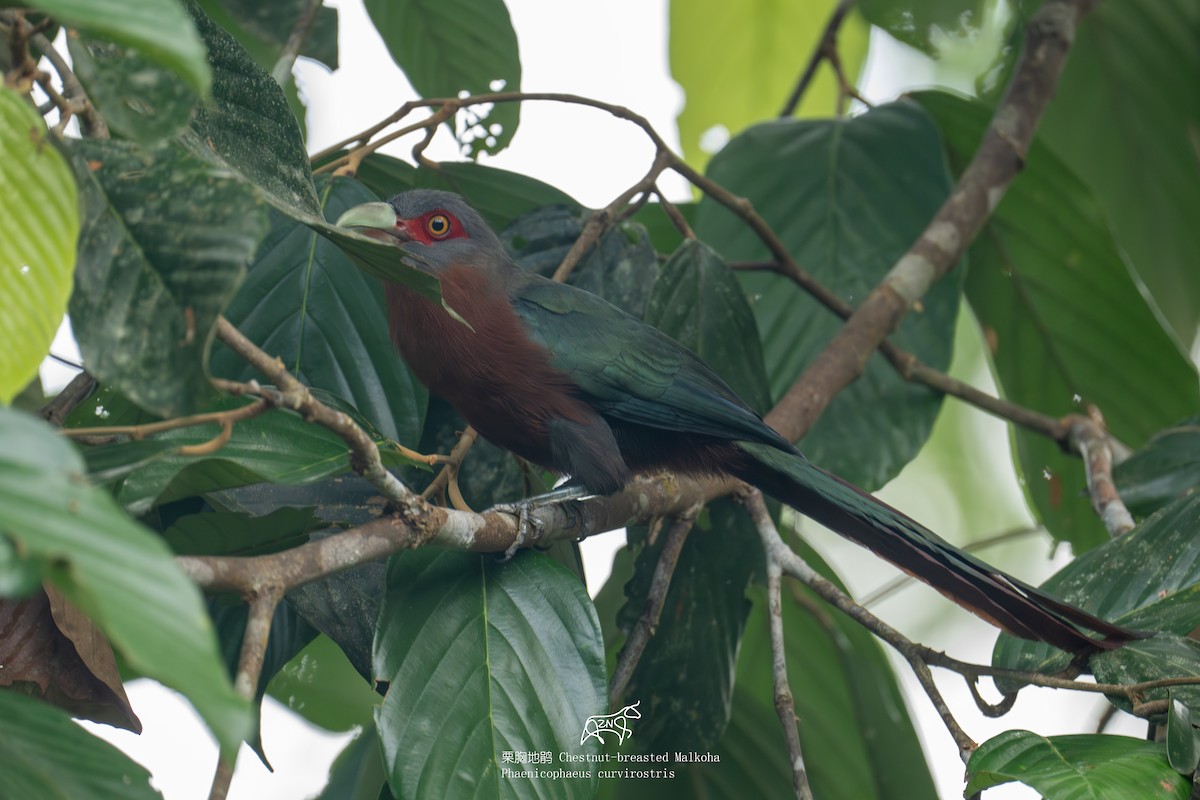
(138, 432)
(57, 410)
(250, 664)
(647, 623)
(826, 49)
(599, 221)
(785, 705)
(282, 70)
(294, 395)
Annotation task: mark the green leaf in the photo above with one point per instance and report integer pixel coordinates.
(620, 267)
(1164, 656)
(160, 29)
(236, 534)
(357, 773)
(1147, 579)
(924, 24)
(249, 129)
(117, 572)
(263, 28)
(1134, 73)
(305, 303)
(322, 686)
(698, 301)
(499, 195)
(1164, 469)
(44, 754)
(1061, 312)
(1183, 741)
(39, 223)
(762, 47)
(1083, 767)
(165, 242)
(276, 446)
(685, 677)
(449, 46)
(484, 658)
(855, 732)
(137, 98)
(847, 198)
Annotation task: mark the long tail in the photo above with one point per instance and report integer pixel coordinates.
(1005, 601)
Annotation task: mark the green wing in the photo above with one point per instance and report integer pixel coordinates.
(630, 370)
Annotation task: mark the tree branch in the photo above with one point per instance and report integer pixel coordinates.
(647, 624)
(826, 49)
(785, 705)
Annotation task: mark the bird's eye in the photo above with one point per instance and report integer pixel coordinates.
(438, 225)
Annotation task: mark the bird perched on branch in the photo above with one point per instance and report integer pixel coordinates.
(568, 381)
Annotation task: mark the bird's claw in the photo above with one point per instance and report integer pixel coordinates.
(522, 510)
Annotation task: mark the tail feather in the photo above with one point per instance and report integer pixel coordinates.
(1005, 601)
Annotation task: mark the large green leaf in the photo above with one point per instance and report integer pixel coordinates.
(855, 732)
(1164, 469)
(1125, 118)
(685, 677)
(924, 24)
(322, 686)
(738, 63)
(357, 773)
(621, 266)
(114, 570)
(1183, 740)
(847, 198)
(484, 659)
(39, 223)
(165, 243)
(159, 29)
(44, 754)
(449, 46)
(305, 303)
(248, 127)
(138, 98)
(277, 446)
(263, 28)
(1148, 579)
(237, 534)
(1079, 767)
(1164, 656)
(1061, 312)
(497, 194)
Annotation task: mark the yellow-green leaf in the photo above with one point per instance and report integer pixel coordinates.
(39, 223)
(738, 63)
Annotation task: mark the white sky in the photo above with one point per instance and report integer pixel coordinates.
(622, 59)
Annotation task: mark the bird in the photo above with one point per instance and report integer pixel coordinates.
(568, 381)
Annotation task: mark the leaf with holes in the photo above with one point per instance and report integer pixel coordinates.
(450, 46)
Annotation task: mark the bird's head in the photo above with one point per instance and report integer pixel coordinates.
(439, 228)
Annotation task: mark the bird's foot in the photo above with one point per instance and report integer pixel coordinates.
(523, 510)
